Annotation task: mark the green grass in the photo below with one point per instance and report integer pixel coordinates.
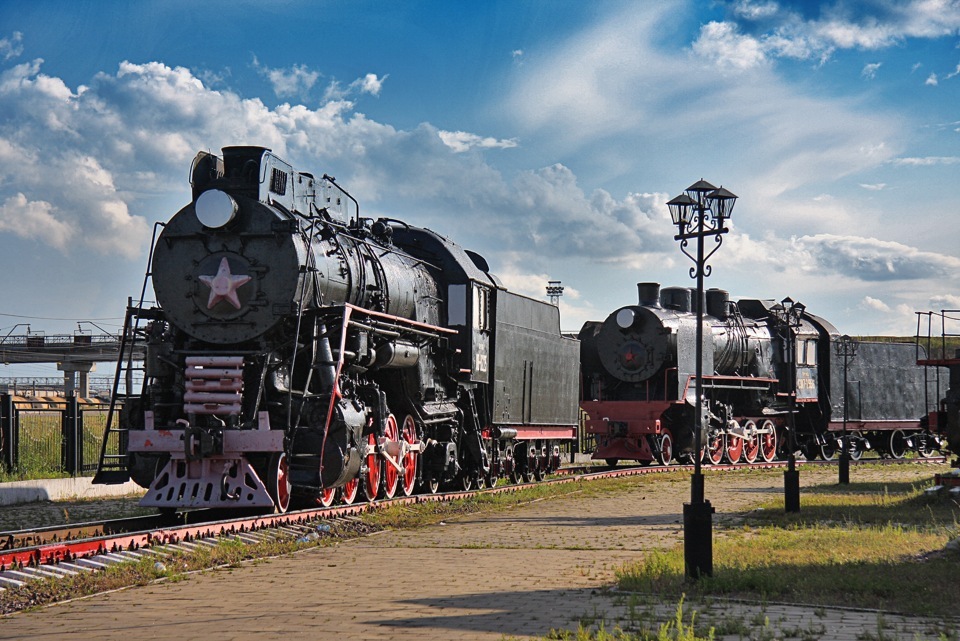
(40, 450)
(675, 629)
(863, 545)
(428, 513)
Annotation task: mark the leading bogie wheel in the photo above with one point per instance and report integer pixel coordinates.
(391, 475)
(409, 460)
(768, 441)
(278, 481)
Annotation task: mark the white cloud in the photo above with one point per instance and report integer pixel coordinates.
(875, 304)
(36, 220)
(461, 141)
(945, 302)
(71, 191)
(609, 91)
(931, 80)
(927, 161)
(869, 259)
(722, 43)
(874, 187)
(131, 135)
(11, 47)
(370, 84)
(838, 26)
(869, 71)
(293, 82)
(842, 34)
(755, 10)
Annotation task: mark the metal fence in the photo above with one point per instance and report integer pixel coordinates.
(40, 436)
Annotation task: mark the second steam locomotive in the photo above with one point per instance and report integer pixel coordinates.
(299, 350)
(638, 373)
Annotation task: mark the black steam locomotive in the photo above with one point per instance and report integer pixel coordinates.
(638, 383)
(299, 350)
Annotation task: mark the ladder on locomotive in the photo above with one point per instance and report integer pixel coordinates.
(937, 355)
(112, 468)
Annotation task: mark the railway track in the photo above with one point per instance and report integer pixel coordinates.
(63, 551)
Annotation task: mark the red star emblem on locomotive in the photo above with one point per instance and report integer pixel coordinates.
(224, 285)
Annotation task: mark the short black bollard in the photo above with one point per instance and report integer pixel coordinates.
(698, 539)
(791, 490)
(844, 468)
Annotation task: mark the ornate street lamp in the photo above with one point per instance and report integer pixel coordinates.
(789, 315)
(699, 213)
(846, 349)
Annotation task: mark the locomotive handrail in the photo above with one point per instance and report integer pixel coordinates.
(333, 181)
(335, 393)
(399, 319)
(756, 382)
(727, 377)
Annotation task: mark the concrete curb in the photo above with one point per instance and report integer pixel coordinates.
(19, 492)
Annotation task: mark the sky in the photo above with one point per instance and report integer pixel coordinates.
(545, 135)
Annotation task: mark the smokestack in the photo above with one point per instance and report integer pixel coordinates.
(649, 294)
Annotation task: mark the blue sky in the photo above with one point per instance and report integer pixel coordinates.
(546, 135)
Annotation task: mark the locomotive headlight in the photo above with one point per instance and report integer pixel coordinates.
(625, 318)
(215, 208)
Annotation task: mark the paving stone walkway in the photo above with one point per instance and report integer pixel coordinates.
(512, 574)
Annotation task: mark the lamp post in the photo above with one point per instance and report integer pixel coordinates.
(846, 349)
(699, 213)
(789, 315)
(554, 291)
